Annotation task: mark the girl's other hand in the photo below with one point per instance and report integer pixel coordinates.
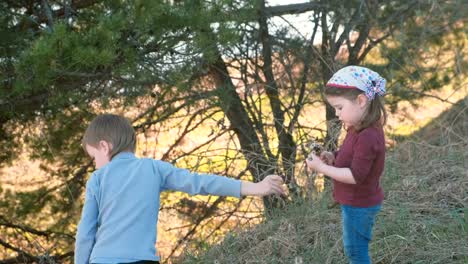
(313, 162)
(327, 157)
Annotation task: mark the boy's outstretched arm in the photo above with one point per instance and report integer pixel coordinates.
(173, 178)
(272, 184)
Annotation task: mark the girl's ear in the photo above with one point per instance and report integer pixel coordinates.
(362, 100)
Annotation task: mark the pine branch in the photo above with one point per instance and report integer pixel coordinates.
(48, 14)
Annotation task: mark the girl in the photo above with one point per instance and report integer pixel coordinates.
(355, 94)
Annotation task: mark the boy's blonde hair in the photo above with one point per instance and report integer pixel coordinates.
(113, 129)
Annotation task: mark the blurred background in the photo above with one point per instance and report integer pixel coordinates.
(233, 88)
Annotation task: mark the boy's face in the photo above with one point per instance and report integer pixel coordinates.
(100, 154)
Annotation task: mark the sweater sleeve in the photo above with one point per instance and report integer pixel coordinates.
(183, 180)
(364, 155)
(86, 233)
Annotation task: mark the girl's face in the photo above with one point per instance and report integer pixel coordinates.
(100, 154)
(350, 112)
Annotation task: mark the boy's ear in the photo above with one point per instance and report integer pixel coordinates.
(362, 100)
(106, 146)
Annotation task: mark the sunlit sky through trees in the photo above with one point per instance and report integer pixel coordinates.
(300, 24)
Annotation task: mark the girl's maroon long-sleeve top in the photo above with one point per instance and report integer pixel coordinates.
(363, 152)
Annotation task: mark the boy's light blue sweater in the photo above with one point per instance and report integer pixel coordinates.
(120, 213)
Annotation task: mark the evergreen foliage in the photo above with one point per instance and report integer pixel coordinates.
(189, 64)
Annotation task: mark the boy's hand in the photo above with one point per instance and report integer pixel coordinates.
(327, 157)
(271, 184)
(313, 162)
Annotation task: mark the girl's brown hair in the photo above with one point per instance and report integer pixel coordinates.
(113, 129)
(375, 111)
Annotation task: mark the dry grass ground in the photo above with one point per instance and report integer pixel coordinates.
(424, 217)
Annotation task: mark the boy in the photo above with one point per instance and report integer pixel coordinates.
(120, 213)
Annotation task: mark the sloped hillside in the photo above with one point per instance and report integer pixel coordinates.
(424, 217)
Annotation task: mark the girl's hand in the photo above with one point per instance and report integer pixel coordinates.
(314, 162)
(327, 157)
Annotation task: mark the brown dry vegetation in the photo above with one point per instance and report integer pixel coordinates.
(424, 217)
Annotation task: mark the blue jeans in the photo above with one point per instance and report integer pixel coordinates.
(357, 232)
(140, 262)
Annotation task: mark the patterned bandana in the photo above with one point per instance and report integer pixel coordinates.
(361, 78)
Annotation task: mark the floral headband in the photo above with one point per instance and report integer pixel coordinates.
(370, 82)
